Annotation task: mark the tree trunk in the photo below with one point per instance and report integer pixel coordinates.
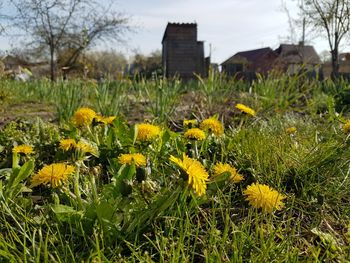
(335, 56)
(52, 64)
(335, 64)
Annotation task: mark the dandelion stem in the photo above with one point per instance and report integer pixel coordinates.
(77, 190)
(196, 149)
(15, 160)
(94, 136)
(93, 188)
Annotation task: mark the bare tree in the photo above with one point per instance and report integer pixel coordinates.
(68, 24)
(2, 18)
(292, 24)
(332, 19)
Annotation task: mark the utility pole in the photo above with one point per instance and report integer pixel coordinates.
(303, 35)
(210, 50)
(304, 25)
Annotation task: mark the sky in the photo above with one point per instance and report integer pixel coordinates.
(225, 26)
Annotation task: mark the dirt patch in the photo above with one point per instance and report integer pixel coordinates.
(26, 110)
(188, 105)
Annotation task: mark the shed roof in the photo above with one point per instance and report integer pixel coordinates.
(172, 26)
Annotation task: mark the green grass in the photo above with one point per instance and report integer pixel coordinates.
(95, 218)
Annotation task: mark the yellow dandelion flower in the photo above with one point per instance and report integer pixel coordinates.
(129, 158)
(245, 109)
(346, 127)
(221, 168)
(84, 116)
(178, 161)
(99, 119)
(195, 134)
(24, 148)
(190, 123)
(86, 147)
(197, 175)
(110, 119)
(265, 197)
(67, 144)
(291, 130)
(212, 125)
(105, 120)
(147, 132)
(54, 174)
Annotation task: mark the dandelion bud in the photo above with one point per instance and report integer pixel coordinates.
(140, 174)
(126, 188)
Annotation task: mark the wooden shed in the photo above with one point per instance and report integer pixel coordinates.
(183, 54)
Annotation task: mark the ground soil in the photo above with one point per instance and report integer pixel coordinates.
(188, 106)
(26, 110)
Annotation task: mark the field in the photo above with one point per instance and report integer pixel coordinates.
(213, 170)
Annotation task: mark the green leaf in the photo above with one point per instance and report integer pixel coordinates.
(104, 211)
(126, 172)
(161, 204)
(16, 190)
(221, 177)
(218, 182)
(109, 191)
(24, 172)
(63, 209)
(125, 178)
(66, 213)
(122, 132)
(166, 136)
(110, 138)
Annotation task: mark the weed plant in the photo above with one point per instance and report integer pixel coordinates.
(130, 197)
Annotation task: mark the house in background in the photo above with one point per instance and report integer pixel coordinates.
(290, 59)
(293, 59)
(182, 54)
(250, 62)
